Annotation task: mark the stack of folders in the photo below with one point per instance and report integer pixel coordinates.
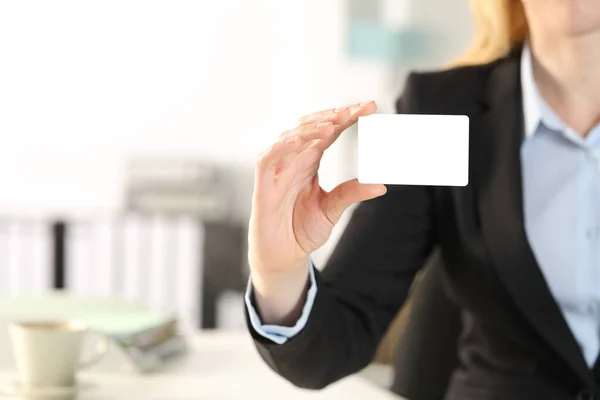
(146, 337)
(25, 255)
(154, 261)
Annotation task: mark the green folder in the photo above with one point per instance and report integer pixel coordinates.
(117, 318)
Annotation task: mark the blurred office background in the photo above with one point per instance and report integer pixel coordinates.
(129, 131)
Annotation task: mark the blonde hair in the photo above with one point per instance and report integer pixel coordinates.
(499, 26)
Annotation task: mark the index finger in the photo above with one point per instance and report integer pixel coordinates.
(333, 115)
(362, 110)
(340, 115)
(357, 110)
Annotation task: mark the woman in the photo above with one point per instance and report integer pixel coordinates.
(520, 243)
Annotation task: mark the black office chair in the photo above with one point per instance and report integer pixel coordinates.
(426, 353)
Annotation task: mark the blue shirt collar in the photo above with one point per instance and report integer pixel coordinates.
(535, 110)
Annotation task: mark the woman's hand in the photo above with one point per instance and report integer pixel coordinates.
(292, 215)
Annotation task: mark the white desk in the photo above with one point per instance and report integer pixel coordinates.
(219, 366)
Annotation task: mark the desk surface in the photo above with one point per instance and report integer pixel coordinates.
(219, 366)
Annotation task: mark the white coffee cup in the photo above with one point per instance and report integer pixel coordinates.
(48, 353)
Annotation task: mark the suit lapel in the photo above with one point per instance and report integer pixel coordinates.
(498, 137)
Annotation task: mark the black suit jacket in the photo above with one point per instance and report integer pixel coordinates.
(515, 342)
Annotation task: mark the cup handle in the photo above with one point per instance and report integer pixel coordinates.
(101, 350)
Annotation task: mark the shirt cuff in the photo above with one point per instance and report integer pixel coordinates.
(276, 333)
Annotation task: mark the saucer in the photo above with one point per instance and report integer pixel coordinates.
(13, 388)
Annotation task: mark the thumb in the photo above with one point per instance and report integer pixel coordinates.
(347, 193)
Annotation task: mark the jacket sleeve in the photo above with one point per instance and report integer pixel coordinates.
(277, 333)
(363, 285)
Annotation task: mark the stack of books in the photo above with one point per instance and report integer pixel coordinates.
(150, 347)
(146, 337)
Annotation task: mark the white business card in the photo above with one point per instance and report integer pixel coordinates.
(409, 149)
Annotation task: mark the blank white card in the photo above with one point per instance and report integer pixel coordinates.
(407, 149)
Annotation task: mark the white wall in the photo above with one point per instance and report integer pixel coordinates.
(83, 85)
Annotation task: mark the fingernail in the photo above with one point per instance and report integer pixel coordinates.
(291, 140)
(323, 124)
(365, 104)
(338, 110)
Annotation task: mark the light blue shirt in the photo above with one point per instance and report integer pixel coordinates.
(561, 193)
(276, 333)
